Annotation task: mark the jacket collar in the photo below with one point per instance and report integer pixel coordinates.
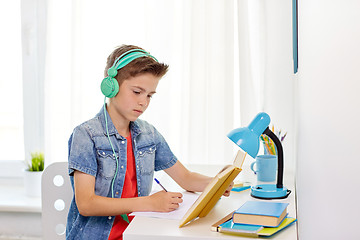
(134, 126)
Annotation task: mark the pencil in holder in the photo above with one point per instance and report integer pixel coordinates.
(268, 145)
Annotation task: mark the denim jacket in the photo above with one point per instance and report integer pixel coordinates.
(90, 152)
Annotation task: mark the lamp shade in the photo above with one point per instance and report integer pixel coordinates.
(247, 138)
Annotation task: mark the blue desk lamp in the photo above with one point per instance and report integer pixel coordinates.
(247, 138)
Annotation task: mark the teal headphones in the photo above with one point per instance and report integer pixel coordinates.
(109, 85)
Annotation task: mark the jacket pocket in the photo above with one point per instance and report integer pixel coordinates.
(106, 163)
(146, 157)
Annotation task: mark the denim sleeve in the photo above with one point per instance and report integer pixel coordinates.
(82, 154)
(164, 157)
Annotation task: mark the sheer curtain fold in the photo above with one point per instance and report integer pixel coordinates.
(252, 51)
(194, 107)
(58, 80)
(265, 65)
(210, 81)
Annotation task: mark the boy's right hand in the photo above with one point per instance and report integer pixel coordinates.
(165, 201)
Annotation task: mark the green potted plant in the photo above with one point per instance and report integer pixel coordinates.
(37, 162)
(33, 173)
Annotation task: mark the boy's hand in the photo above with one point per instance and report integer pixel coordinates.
(227, 191)
(165, 201)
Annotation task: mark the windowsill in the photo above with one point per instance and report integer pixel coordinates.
(14, 199)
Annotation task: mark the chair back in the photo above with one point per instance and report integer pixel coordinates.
(56, 196)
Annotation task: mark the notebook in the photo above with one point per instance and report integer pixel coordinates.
(227, 226)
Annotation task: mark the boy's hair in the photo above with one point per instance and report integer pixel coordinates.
(138, 66)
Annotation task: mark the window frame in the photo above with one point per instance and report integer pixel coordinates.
(33, 41)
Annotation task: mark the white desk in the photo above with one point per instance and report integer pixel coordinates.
(157, 229)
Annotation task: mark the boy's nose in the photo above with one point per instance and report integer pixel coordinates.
(143, 103)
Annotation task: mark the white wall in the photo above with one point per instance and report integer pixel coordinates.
(328, 162)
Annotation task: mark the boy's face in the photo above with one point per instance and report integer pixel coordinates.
(134, 96)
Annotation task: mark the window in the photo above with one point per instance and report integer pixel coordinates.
(21, 84)
(11, 93)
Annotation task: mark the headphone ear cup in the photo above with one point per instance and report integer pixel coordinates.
(109, 87)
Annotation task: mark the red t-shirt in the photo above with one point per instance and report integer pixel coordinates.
(129, 191)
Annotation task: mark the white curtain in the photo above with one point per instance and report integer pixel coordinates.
(228, 61)
(265, 60)
(251, 39)
(196, 104)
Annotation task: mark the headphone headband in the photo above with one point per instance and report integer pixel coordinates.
(109, 85)
(133, 54)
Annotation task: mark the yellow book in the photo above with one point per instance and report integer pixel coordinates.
(214, 190)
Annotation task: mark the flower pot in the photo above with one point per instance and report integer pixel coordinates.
(32, 183)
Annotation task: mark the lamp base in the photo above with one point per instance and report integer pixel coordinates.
(269, 191)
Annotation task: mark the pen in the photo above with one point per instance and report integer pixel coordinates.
(157, 181)
(283, 137)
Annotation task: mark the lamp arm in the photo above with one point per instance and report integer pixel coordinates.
(279, 148)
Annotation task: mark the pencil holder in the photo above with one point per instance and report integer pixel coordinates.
(266, 166)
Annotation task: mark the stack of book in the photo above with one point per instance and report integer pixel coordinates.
(255, 218)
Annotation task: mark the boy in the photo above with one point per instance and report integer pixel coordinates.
(112, 157)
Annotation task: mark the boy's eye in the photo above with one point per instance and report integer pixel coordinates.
(136, 92)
